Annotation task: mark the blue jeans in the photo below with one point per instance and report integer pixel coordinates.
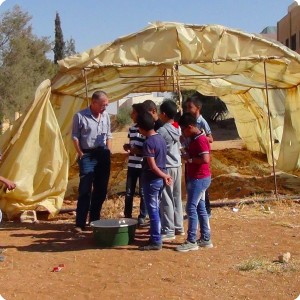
(134, 174)
(152, 191)
(94, 171)
(196, 210)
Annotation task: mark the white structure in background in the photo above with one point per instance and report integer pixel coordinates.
(156, 97)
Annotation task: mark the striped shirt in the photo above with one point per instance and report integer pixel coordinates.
(136, 140)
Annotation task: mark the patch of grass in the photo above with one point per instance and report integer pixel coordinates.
(260, 264)
(285, 224)
(278, 267)
(250, 264)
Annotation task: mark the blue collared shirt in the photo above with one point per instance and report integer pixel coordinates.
(88, 131)
(202, 124)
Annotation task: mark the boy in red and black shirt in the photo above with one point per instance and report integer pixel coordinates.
(198, 180)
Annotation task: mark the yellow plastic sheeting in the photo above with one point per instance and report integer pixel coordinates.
(65, 107)
(290, 144)
(251, 117)
(35, 159)
(212, 59)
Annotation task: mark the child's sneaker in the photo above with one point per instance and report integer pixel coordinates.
(167, 237)
(187, 246)
(142, 223)
(204, 244)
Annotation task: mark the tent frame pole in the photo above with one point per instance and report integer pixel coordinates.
(175, 72)
(86, 87)
(270, 131)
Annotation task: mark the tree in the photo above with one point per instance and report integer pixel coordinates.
(61, 48)
(59, 44)
(70, 47)
(23, 62)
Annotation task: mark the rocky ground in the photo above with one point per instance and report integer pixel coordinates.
(245, 263)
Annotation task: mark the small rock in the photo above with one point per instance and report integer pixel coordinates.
(275, 244)
(285, 257)
(238, 189)
(235, 209)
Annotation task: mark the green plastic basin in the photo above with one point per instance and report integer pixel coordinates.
(114, 232)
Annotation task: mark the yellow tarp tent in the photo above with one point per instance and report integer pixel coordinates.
(35, 158)
(249, 73)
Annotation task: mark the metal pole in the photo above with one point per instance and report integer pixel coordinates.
(270, 131)
(175, 70)
(86, 88)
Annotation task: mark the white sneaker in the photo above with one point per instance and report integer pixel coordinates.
(167, 237)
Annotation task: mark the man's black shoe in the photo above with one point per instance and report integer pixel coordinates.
(150, 247)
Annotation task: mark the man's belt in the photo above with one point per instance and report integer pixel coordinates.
(92, 150)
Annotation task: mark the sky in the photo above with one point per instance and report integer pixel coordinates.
(94, 22)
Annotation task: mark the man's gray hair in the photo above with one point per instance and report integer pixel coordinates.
(97, 95)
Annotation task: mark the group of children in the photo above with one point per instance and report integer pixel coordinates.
(155, 144)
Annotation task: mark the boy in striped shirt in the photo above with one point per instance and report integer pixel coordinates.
(135, 159)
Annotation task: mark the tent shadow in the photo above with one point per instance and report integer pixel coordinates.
(49, 237)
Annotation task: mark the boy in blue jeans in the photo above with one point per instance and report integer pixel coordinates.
(198, 181)
(194, 106)
(154, 176)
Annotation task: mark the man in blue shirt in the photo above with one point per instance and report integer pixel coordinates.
(91, 136)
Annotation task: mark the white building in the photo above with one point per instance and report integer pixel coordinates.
(156, 97)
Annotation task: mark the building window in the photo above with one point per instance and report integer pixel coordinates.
(287, 42)
(293, 42)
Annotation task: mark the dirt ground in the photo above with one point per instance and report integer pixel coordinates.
(244, 263)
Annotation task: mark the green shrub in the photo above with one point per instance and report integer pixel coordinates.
(123, 116)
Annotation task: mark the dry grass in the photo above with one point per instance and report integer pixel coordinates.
(286, 224)
(114, 207)
(263, 265)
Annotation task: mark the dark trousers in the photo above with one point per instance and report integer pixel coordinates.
(133, 175)
(94, 175)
